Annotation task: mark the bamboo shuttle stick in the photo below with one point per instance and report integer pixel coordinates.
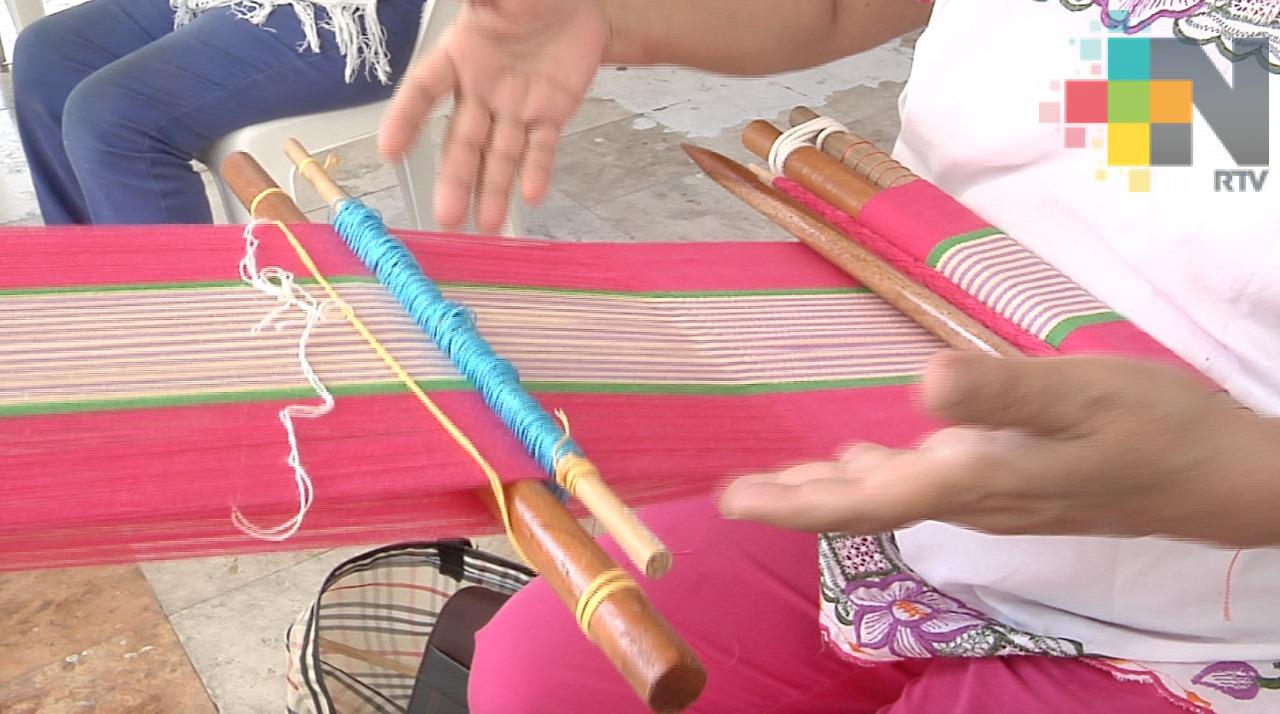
(652, 658)
(618, 520)
(933, 313)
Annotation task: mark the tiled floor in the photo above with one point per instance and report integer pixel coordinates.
(207, 635)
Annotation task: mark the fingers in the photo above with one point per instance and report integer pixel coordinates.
(468, 134)
(410, 107)
(865, 455)
(1019, 485)
(1040, 395)
(821, 501)
(487, 143)
(539, 161)
(877, 491)
(500, 162)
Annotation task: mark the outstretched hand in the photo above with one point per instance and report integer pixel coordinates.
(518, 70)
(1096, 446)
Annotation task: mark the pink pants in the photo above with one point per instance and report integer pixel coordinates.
(745, 597)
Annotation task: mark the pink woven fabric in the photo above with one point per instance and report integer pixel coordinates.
(891, 253)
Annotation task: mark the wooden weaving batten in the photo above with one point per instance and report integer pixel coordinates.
(858, 154)
(617, 519)
(933, 313)
(653, 659)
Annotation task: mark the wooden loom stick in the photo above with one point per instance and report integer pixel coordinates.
(860, 155)
(933, 313)
(653, 659)
(618, 520)
(250, 182)
(827, 178)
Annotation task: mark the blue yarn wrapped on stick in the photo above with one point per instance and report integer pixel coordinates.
(452, 328)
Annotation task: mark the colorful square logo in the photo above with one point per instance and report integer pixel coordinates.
(1147, 123)
(1134, 101)
(1141, 122)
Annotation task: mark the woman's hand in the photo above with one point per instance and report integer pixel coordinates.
(518, 69)
(1094, 446)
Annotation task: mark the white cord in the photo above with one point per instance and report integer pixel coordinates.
(280, 284)
(811, 133)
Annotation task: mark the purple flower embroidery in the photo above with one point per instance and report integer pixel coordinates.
(1133, 15)
(906, 616)
(1239, 680)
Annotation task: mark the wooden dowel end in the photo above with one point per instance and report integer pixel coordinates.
(642, 547)
(654, 660)
(313, 172)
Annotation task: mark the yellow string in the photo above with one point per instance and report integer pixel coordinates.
(570, 467)
(494, 481)
(253, 205)
(604, 585)
(330, 161)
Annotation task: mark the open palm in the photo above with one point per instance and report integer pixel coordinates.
(518, 70)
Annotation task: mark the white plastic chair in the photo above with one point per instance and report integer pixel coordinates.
(325, 131)
(23, 13)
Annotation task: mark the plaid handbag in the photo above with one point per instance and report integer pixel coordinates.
(390, 630)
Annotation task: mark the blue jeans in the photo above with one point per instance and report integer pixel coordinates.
(112, 103)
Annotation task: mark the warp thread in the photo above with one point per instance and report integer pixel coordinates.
(452, 328)
(452, 429)
(383, 259)
(811, 133)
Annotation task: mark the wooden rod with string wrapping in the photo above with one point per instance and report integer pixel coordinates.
(826, 177)
(653, 659)
(252, 184)
(931, 312)
(860, 155)
(617, 519)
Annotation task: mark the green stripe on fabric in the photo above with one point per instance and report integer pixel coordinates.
(443, 385)
(727, 390)
(774, 292)
(1060, 331)
(205, 398)
(365, 280)
(941, 249)
(150, 287)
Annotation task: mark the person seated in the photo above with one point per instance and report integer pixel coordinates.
(1069, 544)
(114, 98)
